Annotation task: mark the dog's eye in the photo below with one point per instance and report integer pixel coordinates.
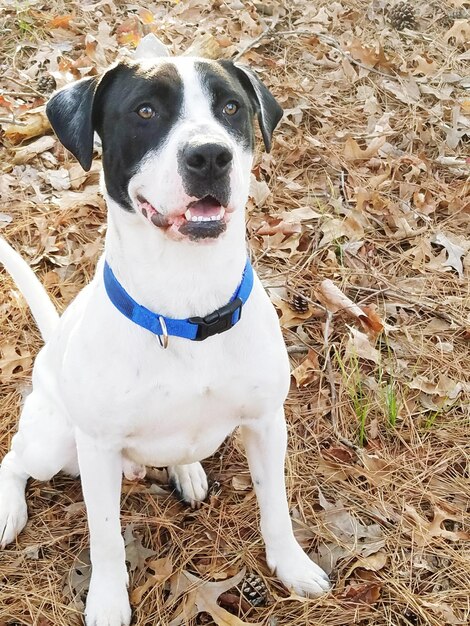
(146, 112)
(231, 108)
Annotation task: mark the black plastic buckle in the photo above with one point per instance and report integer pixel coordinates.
(217, 322)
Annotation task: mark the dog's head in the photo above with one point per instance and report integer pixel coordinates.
(177, 137)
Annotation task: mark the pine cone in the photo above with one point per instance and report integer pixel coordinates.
(254, 590)
(402, 15)
(299, 304)
(46, 84)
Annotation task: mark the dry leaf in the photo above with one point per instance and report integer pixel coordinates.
(359, 345)
(136, 553)
(352, 150)
(27, 153)
(460, 33)
(454, 251)
(335, 300)
(373, 562)
(14, 359)
(423, 531)
(307, 370)
(162, 569)
(33, 124)
(242, 482)
(369, 593)
(201, 596)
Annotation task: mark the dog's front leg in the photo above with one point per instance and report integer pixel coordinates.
(265, 442)
(101, 473)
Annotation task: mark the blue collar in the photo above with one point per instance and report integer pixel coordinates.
(194, 328)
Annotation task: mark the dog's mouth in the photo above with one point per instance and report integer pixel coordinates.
(202, 219)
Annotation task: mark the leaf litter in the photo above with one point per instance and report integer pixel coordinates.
(361, 214)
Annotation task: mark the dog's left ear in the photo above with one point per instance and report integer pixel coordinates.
(70, 112)
(268, 110)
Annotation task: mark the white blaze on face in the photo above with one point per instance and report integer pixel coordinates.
(158, 179)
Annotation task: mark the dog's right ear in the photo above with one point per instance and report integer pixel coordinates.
(70, 112)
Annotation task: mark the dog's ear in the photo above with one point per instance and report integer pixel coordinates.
(70, 112)
(268, 110)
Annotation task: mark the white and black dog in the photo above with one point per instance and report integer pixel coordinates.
(153, 364)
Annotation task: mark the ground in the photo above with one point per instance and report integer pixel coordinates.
(366, 188)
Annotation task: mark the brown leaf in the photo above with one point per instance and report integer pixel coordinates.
(162, 569)
(27, 153)
(62, 21)
(353, 152)
(201, 596)
(136, 553)
(335, 300)
(14, 359)
(366, 592)
(242, 482)
(32, 124)
(307, 370)
(373, 562)
(423, 531)
(359, 345)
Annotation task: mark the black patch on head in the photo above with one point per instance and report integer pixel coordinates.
(109, 106)
(221, 86)
(126, 137)
(203, 230)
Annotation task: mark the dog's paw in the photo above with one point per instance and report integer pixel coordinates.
(106, 606)
(190, 481)
(298, 573)
(13, 511)
(133, 471)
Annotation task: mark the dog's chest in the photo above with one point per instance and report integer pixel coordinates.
(177, 405)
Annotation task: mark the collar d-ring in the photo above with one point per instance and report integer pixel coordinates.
(163, 338)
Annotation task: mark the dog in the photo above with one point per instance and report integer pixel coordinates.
(174, 343)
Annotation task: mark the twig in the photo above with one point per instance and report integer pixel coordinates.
(297, 349)
(21, 84)
(331, 380)
(11, 120)
(253, 43)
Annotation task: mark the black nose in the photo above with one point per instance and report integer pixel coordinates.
(208, 160)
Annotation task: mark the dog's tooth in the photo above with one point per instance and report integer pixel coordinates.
(188, 215)
(194, 218)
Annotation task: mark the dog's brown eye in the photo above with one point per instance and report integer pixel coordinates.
(145, 112)
(231, 108)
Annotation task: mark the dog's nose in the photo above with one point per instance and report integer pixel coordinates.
(208, 160)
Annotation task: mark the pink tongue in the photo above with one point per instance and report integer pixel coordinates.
(204, 207)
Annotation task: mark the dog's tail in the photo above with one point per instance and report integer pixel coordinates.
(44, 312)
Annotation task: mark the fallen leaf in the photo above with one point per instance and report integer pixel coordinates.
(454, 251)
(373, 562)
(201, 596)
(32, 124)
(136, 553)
(335, 300)
(27, 153)
(259, 191)
(14, 359)
(162, 569)
(423, 531)
(61, 21)
(80, 574)
(359, 345)
(459, 32)
(352, 150)
(242, 482)
(307, 370)
(368, 593)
